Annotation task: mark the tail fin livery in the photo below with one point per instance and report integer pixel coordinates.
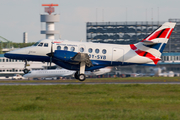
(161, 35)
(153, 45)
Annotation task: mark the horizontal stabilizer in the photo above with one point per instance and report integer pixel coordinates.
(151, 42)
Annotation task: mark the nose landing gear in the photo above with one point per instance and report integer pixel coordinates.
(25, 69)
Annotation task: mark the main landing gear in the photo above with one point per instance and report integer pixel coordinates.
(80, 77)
(83, 59)
(80, 74)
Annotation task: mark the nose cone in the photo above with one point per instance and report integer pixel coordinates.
(13, 54)
(28, 53)
(8, 55)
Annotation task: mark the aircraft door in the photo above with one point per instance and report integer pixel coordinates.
(118, 55)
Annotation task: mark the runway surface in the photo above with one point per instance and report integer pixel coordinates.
(88, 83)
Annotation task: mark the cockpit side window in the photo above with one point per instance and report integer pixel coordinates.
(40, 44)
(36, 44)
(45, 44)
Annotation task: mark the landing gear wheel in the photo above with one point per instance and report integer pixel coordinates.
(25, 71)
(82, 77)
(76, 75)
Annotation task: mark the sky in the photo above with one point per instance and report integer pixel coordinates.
(18, 16)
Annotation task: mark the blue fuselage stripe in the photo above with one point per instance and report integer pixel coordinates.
(97, 64)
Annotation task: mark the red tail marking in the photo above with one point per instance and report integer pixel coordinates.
(165, 32)
(170, 33)
(142, 53)
(133, 47)
(154, 35)
(158, 34)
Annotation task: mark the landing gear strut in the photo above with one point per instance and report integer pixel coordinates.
(25, 69)
(80, 75)
(83, 59)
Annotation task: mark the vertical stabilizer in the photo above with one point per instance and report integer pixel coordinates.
(153, 45)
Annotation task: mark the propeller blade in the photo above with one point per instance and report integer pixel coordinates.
(50, 61)
(51, 47)
(51, 53)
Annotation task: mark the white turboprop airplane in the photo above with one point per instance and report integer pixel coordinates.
(62, 73)
(87, 56)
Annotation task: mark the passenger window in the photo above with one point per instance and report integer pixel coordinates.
(72, 49)
(66, 48)
(97, 50)
(104, 51)
(81, 49)
(58, 47)
(90, 50)
(45, 44)
(41, 44)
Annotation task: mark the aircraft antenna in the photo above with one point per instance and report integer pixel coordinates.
(102, 15)
(158, 15)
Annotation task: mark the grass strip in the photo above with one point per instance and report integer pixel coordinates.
(90, 102)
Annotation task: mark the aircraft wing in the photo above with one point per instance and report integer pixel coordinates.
(72, 57)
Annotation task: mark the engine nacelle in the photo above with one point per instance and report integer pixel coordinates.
(64, 55)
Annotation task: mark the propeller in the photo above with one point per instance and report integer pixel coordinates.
(51, 54)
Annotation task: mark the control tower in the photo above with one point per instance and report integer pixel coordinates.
(49, 19)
